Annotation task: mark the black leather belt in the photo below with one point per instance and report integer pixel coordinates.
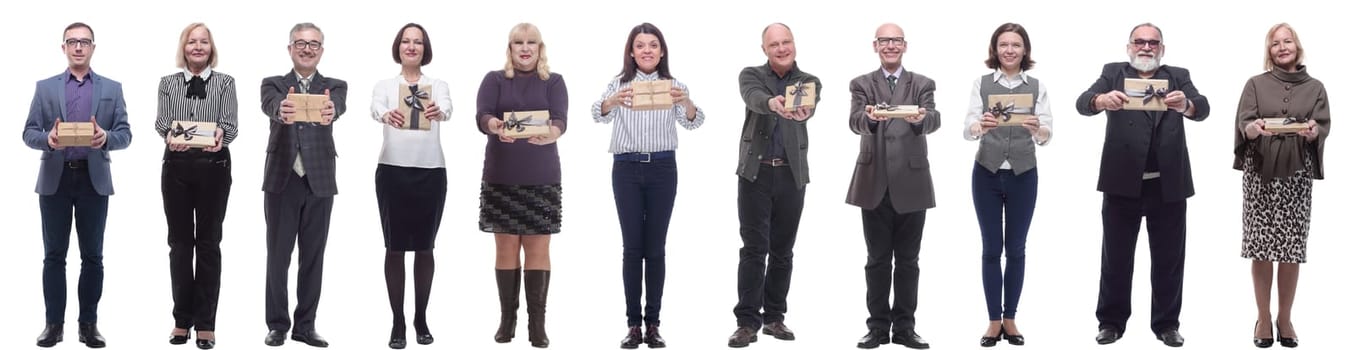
(644, 157)
(775, 162)
(77, 164)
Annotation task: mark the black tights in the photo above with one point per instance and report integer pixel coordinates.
(423, 266)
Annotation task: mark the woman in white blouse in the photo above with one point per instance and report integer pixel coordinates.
(411, 174)
(645, 105)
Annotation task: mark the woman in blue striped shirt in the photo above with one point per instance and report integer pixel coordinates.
(645, 104)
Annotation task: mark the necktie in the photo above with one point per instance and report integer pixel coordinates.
(892, 83)
(305, 85)
(296, 166)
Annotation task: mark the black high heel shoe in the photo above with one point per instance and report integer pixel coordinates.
(1286, 342)
(991, 341)
(1262, 343)
(180, 339)
(1017, 339)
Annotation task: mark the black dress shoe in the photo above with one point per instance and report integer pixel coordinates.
(1262, 343)
(275, 338)
(873, 339)
(1013, 339)
(1285, 342)
(397, 338)
(179, 339)
(1107, 336)
(909, 338)
(50, 335)
(778, 330)
(991, 341)
(206, 343)
(653, 338)
(742, 337)
(89, 334)
(633, 338)
(310, 338)
(398, 343)
(424, 339)
(1171, 338)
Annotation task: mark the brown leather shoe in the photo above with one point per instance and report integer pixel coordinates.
(633, 338)
(778, 330)
(742, 337)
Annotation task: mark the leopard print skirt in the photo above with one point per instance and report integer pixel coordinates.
(1277, 215)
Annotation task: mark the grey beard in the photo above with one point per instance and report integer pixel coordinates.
(1144, 64)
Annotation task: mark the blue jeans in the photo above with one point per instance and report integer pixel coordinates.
(644, 195)
(1003, 197)
(76, 193)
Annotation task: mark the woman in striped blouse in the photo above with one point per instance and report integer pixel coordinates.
(195, 179)
(646, 104)
(411, 174)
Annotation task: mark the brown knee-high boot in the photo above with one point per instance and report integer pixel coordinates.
(509, 290)
(537, 288)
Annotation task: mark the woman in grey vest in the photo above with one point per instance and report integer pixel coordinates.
(1008, 115)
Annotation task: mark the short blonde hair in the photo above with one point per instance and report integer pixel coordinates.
(183, 42)
(1268, 40)
(527, 30)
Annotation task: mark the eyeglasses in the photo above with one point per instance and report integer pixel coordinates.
(301, 44)
(80, 42)
(1144, 43)
(897, 41)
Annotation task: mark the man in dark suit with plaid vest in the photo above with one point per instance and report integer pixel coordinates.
(299, 185)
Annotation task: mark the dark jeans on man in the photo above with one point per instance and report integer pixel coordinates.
(1165, 229)
(768, 210)
(196, 186)
(295, 216)
(644, 194)
(1005, 205)
(76, 193)
(892, 238)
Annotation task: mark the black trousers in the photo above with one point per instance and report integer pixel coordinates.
(768, 210)
(295, 216)
(892, 239)
(196, 187)
(1165, 229)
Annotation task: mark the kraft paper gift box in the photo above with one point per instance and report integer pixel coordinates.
(75, 134)
(1011, 109)
(1282, 126)
(524, 124)
(1145, 94)
(193, 134)
(651, 95)
(801, 94)
(413, 103)
(900, 111)
(308, 107)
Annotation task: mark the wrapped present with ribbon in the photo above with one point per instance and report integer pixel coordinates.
(413, 103)
(308, 107)
(524, 124)
(801, 95)
(193, 134)
(651, 95)
(75, 134)
(1011, 109)
(1145, 94)
(900, 111)
(1285, 125)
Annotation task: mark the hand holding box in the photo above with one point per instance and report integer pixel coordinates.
(801, 95)
(308, 107)
(75, 134)
(1145, 94)
(899, 111)
(1011, 109)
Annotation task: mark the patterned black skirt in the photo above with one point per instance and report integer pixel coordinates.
(520, 209)
(411, 202)
(1277, 215)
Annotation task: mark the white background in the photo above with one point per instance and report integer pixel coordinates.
(708, 45)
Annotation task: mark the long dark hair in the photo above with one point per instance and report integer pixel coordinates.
(632, 67)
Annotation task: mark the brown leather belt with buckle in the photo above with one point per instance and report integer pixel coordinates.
(775, 162)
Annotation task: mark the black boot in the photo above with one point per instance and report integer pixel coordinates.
(537, 288)
(509, 292)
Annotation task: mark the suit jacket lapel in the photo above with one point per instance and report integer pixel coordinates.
(95, 95)
(57, 88)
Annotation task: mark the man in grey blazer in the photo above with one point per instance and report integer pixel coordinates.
(1144, 171)
(892, 187)
(299, 186)
(772, 172)
(75, 179)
